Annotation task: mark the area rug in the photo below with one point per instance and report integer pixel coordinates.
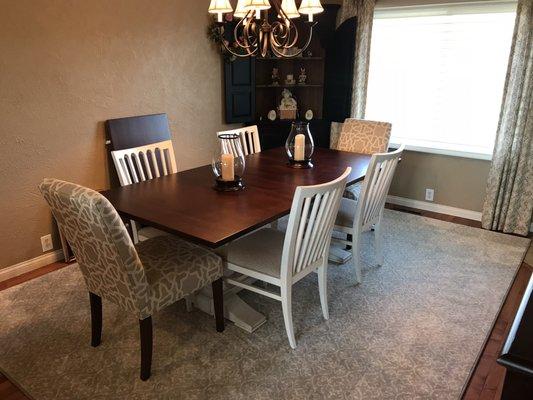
(411, 330)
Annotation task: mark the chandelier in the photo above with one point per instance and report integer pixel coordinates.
(259, 32)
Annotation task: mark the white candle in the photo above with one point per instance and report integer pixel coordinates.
(299, 147)
(228, 170)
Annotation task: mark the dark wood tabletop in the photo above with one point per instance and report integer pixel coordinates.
(186, 204)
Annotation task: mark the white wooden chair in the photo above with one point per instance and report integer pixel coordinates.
(139, 164)
(356, 217)
(249, 139)
(283, 258)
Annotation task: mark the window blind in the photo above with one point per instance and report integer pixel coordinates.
(437, 74)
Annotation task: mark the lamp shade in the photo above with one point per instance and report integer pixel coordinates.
(311, 7)
(290, 9)
(256, 5)
(240, 12)
(220, 6)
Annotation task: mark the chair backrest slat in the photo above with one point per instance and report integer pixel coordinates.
(249, 138)
(310, 225)
(145, 162)
(376, 187)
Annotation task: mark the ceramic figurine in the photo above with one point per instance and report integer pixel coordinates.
(290, 80)
(275, 76)
(302, 78)
(288, 107)
(288, 102)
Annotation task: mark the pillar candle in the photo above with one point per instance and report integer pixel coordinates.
(299, 147)
(228, 171)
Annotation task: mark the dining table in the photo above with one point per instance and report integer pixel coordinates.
(186, 204)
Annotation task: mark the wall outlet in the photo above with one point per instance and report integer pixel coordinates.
(429, 194)
(46, 242)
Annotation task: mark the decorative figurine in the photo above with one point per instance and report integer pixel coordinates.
(288, 106)
(302, 78)
(275, 76)
(309, 53)
(290, 79)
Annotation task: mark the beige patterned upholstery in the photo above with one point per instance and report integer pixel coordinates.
(366, 137)
(141, 279)
(359, 136)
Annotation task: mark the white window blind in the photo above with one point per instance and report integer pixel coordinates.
(437, 74)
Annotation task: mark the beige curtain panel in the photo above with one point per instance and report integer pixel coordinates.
(509, 199)
(364, 10)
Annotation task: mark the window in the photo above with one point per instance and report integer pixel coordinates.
(437, 74)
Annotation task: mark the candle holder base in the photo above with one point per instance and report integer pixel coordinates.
(229, 186)
(305, 164)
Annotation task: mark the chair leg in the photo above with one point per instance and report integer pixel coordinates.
(286, 304)
(96, 319)
(356, 259)
(323, 288)
(145, 326)
(378, 237)
(218, 303)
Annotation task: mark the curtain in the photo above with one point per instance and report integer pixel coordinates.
(364, 10)
(509, 199)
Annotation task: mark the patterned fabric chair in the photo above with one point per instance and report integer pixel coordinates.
(360, 136)
(140, 279)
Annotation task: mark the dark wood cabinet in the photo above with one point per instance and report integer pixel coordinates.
(275, 133)
(328, 62)
(239, 81)
(517, 352)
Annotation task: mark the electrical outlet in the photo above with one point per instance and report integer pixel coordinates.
(429, 194)
(46, 242)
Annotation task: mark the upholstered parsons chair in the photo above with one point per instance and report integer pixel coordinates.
(360, 136)
(140, 279)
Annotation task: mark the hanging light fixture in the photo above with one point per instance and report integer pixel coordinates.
(258, 33)
(311, 7)
(220, 7)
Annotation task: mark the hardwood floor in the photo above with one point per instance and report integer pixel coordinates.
(487, 379)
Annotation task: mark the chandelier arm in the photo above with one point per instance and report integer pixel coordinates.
(285, 38)
(299, 53)
(248, 52)
(245, 43)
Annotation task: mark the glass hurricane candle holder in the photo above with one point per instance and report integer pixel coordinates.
(300, 145)
(228, 163)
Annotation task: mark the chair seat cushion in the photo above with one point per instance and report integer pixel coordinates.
(353, 192)
(346, 213)
(260, 251)
(176, 268)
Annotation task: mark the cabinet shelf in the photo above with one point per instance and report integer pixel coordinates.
(288, 86)
(290, 59)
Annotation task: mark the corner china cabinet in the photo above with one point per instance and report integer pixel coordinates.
(321, 82)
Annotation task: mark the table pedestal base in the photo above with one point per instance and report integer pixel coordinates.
(235, 309)
(338, 255)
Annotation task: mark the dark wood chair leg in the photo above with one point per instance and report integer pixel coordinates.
(218, 302)
(96, 319)
(349, 239)
(145, 326)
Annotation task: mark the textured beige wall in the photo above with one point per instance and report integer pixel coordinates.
(458, 182)
(68, 65)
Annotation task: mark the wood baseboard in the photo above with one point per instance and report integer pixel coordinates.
(30, 265)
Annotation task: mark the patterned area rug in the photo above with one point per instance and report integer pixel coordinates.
(411, 330)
